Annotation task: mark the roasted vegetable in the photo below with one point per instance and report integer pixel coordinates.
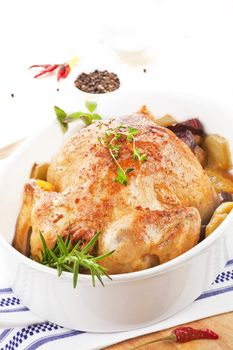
(189, 131)
(187, 137)
(39, 171)
(218, 150)
(201, 155)
(216, 220)
(224, 208)
(166, 120)
(193, 125)
(45, 185)
(198, 139)
(221, 180)
(218, 217)
(225, 197)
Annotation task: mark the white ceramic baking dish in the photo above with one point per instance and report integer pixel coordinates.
(132, 300)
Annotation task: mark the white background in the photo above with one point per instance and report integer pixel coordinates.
(191, 50)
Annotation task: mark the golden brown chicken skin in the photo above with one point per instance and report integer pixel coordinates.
(159, 212)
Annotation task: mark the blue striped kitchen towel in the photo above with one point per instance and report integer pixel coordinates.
(45, 335)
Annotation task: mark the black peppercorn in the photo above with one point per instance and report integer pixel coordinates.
(97, 82)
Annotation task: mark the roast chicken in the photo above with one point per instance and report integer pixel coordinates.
(153, 218)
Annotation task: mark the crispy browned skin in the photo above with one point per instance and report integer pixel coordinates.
(141, 236)
(156, 208)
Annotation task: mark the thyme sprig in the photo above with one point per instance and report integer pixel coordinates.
(111, 140)
(64, 257)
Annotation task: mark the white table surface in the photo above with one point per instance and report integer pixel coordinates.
(191, 50)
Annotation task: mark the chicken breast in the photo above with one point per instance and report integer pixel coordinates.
(156, 215)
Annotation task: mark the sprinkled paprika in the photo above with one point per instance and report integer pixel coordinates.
(184, 335)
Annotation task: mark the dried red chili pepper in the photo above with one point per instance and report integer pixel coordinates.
(40, 65)
(184, 335)
(48, 69)
(63, 71)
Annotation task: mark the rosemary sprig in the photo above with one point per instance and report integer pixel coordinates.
(63, 257)
(111, 140)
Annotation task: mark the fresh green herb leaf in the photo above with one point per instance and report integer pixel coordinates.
(122, 178)
(68, 241)
(91, 244)
(131, 132)
(64, 258)
(138, 156)
(115, 149)
(60, 113)
(143, 157)
(91, 106)
(61, 245)
(44, 246)
(61, 116)
(129, 170)
(107, 135)
(111, 137)
(117, 136)
(96, 116)
(59, 270)
(74, 116)
(75, 272)
(87, 118)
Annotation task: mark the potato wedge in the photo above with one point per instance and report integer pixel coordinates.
(221, 180)
(166, 120)
(39, 171)
(224, 208)
(218, 217)
(216, 220)
(218, 150)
